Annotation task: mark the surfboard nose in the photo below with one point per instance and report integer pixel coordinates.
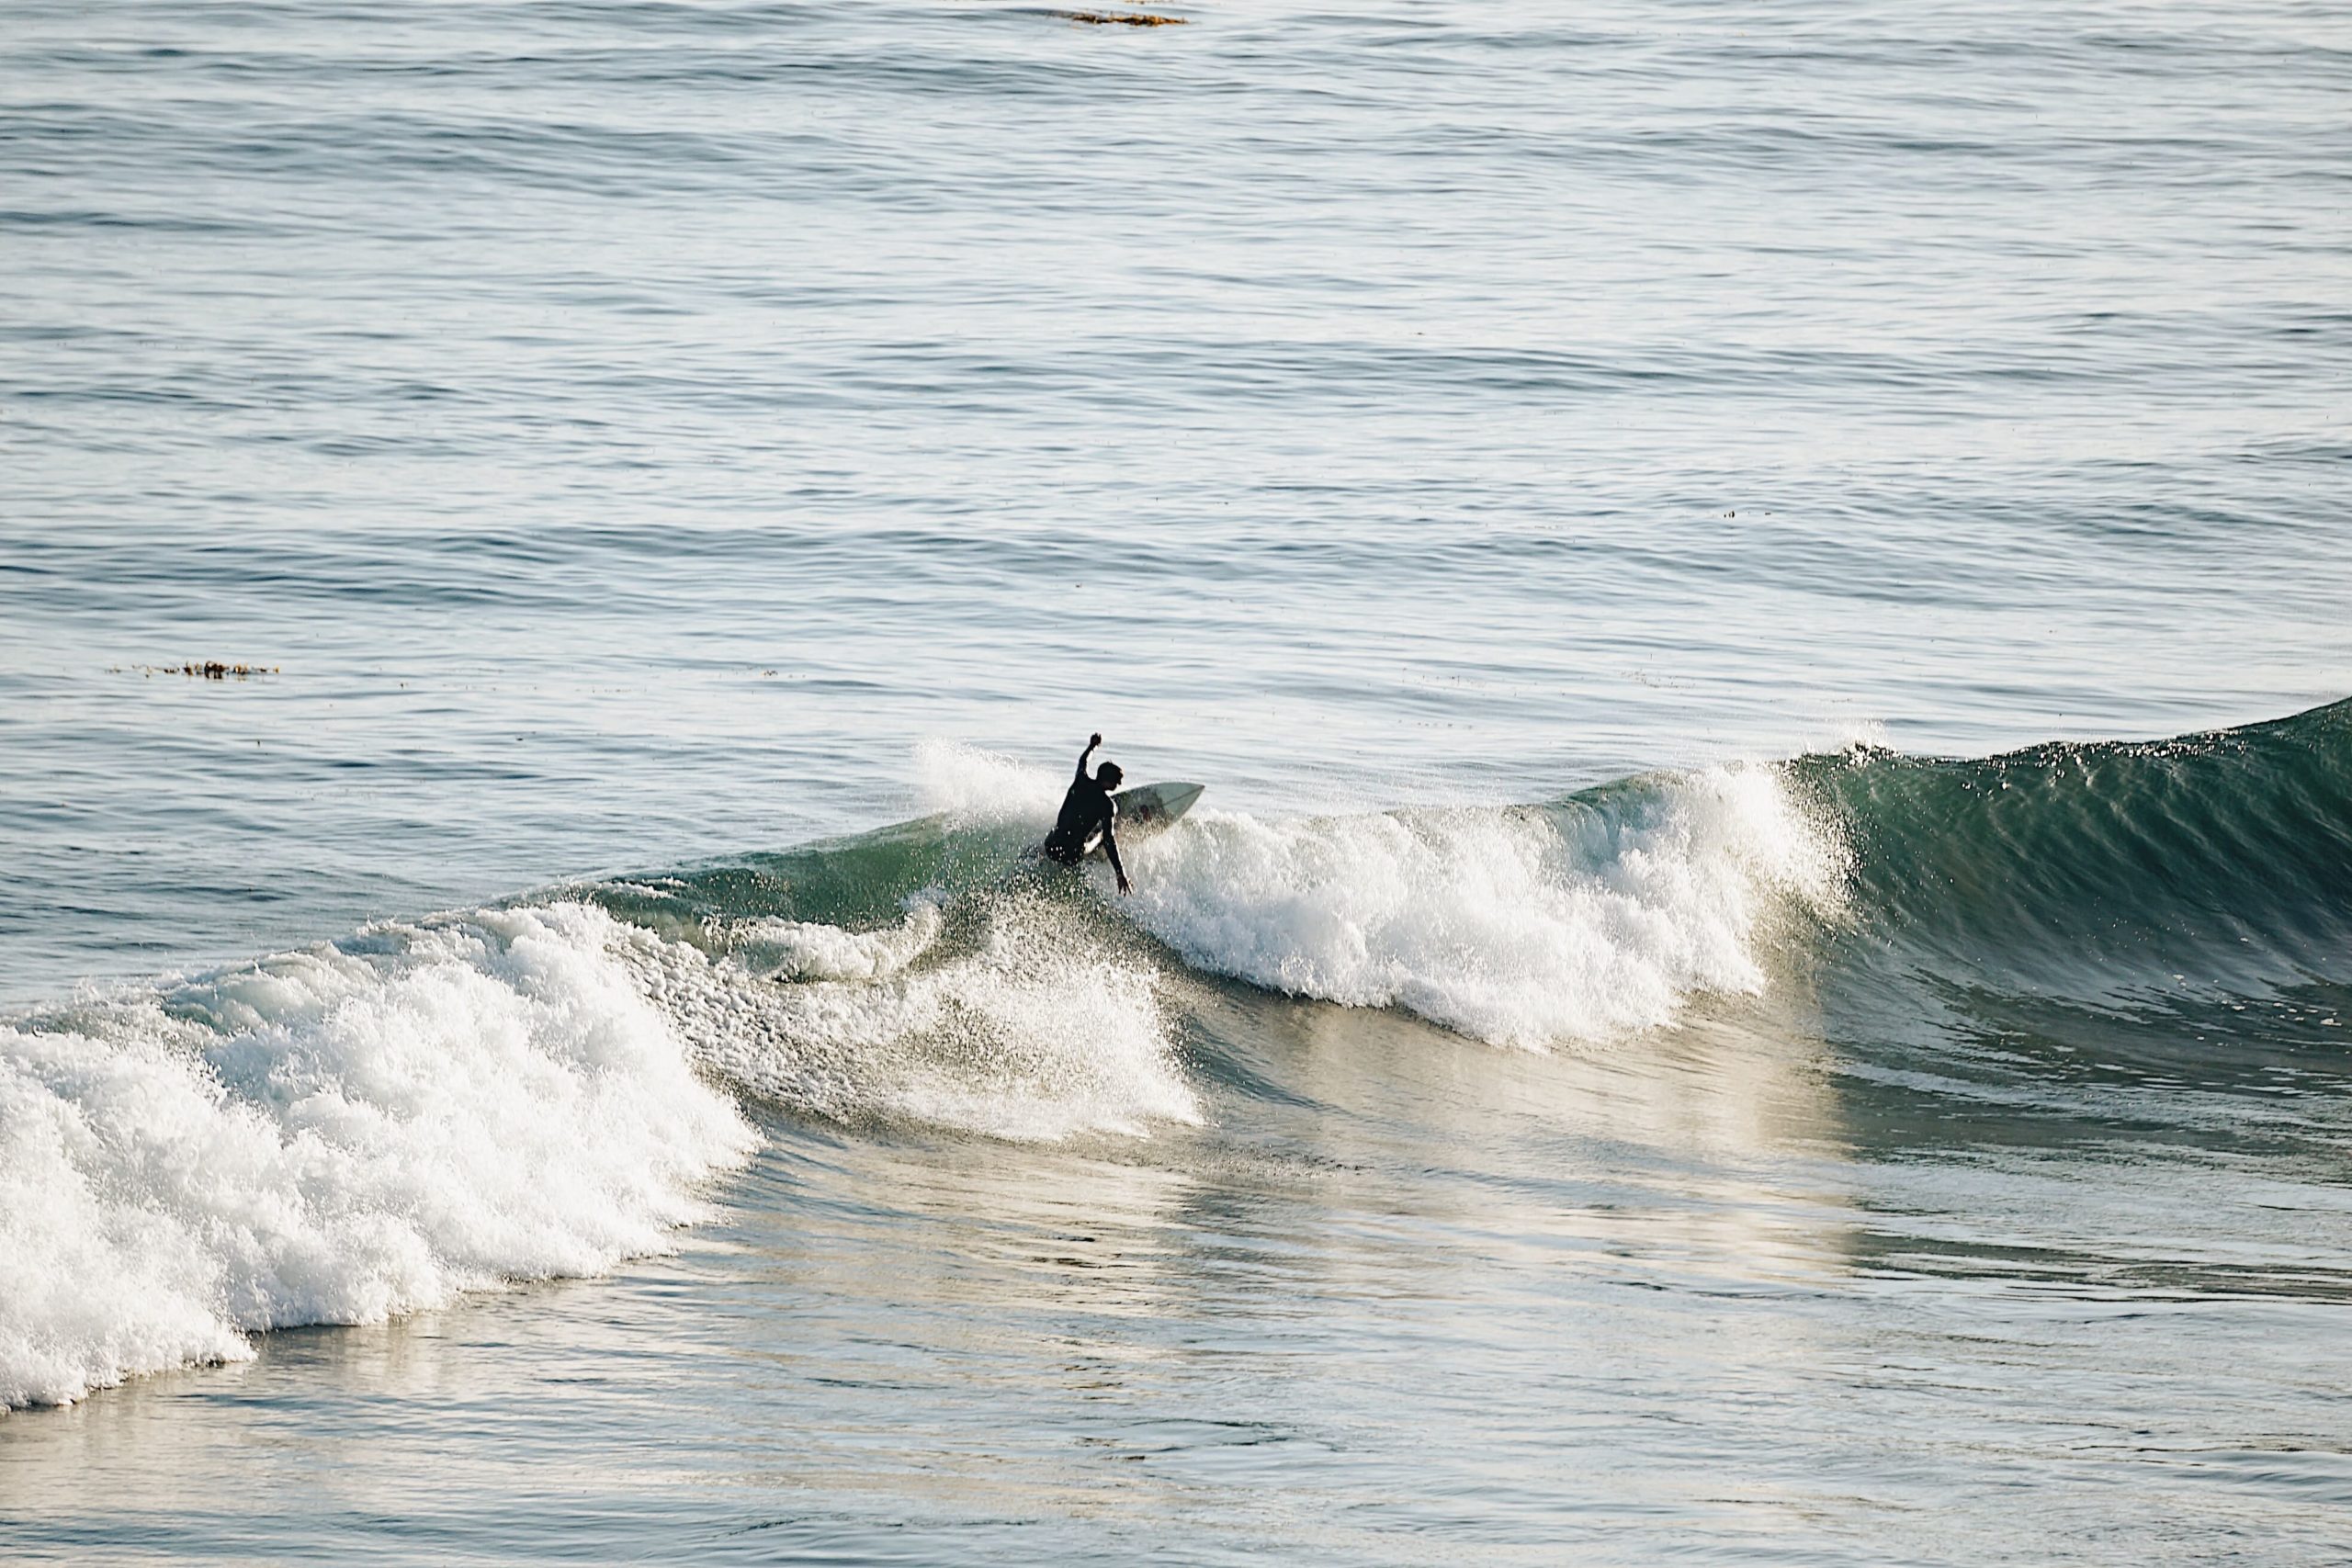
(1154, 805)
(1177, 798)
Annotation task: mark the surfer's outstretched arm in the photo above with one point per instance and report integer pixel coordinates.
(1092, 741)
(1111, 849)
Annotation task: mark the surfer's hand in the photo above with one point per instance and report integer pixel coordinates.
(1125, 886)
(1093, 741)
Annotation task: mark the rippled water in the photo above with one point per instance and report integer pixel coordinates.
(692, 475)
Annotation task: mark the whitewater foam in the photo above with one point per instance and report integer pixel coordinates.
(1029, 1030)
(968, 781)
(361, 1129)
(338, 1135)
(811, 949)
(1525, 926)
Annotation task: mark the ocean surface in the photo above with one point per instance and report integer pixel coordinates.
(1765, 972)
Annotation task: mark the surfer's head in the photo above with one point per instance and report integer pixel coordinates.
(1108, 775)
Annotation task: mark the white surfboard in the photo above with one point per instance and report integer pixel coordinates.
(1149, 808)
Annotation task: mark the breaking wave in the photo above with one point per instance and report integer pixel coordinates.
(337, 1136)
(372, 1126)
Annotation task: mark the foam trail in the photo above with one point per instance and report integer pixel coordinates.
(337, 1136)
(1526, 927)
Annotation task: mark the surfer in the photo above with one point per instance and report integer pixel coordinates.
(1088, 811)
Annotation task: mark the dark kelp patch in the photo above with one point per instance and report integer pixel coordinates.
(1118, 18)
(209, 670)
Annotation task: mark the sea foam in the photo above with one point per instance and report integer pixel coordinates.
(1028, 1029)
(1580, 921)
(337, 1136)
(811, 949)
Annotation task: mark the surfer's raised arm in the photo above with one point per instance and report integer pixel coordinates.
(1092, 741)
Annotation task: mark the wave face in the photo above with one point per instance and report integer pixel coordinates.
(2097, 870)
(338, 1135)
(2107, 871)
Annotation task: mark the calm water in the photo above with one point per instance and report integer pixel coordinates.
(1587, 1084)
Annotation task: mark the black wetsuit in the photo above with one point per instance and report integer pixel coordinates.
(1087, 809)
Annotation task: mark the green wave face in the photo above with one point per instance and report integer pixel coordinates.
(856, 882)
(2142, 941)
(2114, 868)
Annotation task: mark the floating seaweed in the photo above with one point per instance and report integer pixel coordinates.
(1119, 19)
(209, 670)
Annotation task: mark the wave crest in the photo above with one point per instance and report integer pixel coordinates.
(1598, 916)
